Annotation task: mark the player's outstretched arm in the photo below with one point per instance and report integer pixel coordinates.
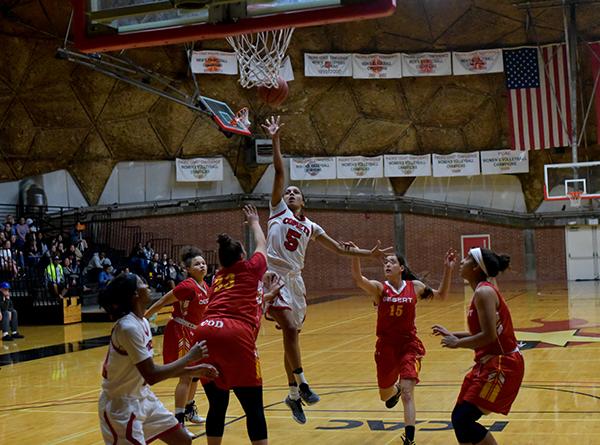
(253, 222)
(272, 127)
(165, 300)
(425, 291)
(370, 287)
(350, 249)
(153, 373)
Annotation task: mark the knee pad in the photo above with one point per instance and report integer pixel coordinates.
(464, 421)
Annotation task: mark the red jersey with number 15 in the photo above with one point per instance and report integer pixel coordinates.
(236, 291)
(396, 311)
(288, 238)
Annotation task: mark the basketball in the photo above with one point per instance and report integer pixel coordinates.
(274, 96)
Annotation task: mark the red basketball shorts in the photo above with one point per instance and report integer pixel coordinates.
(494, 385)
(232, 350)
(176, 342)
(398, 359)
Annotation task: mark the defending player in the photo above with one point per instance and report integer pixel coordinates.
(289, 233)
(230, 325)
(493, 383)
(189, 299)
(398, 351)
(128, 409)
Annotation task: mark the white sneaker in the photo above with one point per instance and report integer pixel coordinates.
(192, 416)
(188, 432)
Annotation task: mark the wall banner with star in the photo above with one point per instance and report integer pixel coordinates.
(484, 61)
(327, 65)
(376, 66)
(426, 64)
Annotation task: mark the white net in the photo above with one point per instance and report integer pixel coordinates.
(260, 56)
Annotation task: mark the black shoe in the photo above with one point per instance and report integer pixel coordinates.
(17, 335)
(297, 411)
(392, 401)
(308, 395)
(7, 338)
(406, 441)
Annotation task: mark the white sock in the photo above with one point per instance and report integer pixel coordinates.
(294, 392)
(190, 402)
(300, 378)
(179, 410)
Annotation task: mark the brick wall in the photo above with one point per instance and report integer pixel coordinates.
(426, 240)
(550, 254)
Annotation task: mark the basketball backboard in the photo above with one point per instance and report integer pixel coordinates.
(562, 179)
(109, 25)
(224, 116)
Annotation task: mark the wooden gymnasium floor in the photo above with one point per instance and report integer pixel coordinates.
(52, 400)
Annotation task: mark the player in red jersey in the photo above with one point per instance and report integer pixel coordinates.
(290, 233)
(230, 326)
(398, 351)
(189, 299)
(493, 383)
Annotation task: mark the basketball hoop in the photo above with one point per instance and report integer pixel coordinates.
(242, 118)
(260, 56)
(575, 198)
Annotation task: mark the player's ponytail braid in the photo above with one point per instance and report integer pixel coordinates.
(407, 274)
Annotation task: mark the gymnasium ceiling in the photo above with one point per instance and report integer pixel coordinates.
(58, 115)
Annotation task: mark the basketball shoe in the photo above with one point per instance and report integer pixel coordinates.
(297, 411)
(408, 441)
(191, 414)
(308, 395)
(393, 401)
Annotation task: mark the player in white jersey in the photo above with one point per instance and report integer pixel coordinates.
(128, 409)
(288, 237)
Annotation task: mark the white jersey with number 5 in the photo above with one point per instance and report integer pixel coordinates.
(288, 238)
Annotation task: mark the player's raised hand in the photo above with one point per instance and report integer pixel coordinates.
(203, 370)
(198, 351)
(251, 213)
(378, 253)
(273, 125)
(451, 258)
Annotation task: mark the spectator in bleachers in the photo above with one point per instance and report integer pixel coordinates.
(93, 269)
(9, 230)
(155, 276)
(105, 261)
(41, 243)
(105, 276)
(74, 252)
(8, 315)
(77, 238)
(149, 251)
(55, 278)
(172, 275)
(32, 252)
(21, 230)
(138, 261)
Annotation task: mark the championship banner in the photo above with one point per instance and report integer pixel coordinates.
(497, 162)
(214, 62)
(426, 64)
(477, 62)
(199, 169)
(311, 169)
(376, 66)
(327, 65)
(357, 167)
(406, 165)
(456, 164)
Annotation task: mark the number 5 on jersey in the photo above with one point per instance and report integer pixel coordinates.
(291, 240)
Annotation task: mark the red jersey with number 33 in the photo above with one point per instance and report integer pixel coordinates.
(288, 238)
(396, 311)
(236, 291)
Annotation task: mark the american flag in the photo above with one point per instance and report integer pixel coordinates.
(539, 110)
